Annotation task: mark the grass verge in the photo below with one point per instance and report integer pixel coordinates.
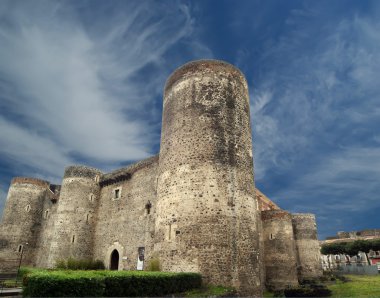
(357, 286)
(211, 291)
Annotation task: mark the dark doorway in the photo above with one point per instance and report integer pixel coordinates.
(114, 260)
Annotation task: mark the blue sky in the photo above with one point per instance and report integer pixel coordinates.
(81, 83)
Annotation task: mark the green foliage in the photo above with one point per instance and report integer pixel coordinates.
(25, 270)
(73, 264)
(350, 248)
(61, 264)
(152, 284)
(154, 264)
(211, 291)
(70, 283)
(63, 283)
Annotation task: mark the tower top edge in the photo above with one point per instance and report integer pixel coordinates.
(81, 171)
(275, 215)
(29, 180)
(206, 65)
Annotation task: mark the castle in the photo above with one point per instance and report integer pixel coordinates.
(194, 205)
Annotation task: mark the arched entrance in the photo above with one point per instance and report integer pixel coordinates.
(114, 264)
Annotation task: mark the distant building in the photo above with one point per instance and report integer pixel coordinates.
(352, 236)
(334, 262)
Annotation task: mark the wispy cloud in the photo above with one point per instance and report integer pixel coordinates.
(316, 115)
(82, 84)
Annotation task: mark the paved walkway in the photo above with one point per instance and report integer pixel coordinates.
(11, 292)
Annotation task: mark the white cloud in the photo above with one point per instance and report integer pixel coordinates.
(327, 87)
(70, 89)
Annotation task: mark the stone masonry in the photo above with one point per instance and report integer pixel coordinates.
(193, 206)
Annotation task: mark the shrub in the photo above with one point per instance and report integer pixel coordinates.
(154, 264)
(63, 283)
(61, 264)
(73, 264)
(71, 283)
(311, 290)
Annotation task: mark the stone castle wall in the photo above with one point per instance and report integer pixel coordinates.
(21, 222)
(75, 218)
(280, 254)
(127, 222)
(194, 206)
(307, 246)
(48, 219)
(207, 213)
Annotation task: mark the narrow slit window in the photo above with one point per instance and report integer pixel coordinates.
(148, 206)
(73, 239)
(170, 231)
(117, 194)
(20, 248)
(46, 214)
(87, 217)
(271, 236)
(27, 208)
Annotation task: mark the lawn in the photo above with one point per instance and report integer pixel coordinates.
(357, 286)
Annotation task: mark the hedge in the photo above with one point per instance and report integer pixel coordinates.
(71, 283)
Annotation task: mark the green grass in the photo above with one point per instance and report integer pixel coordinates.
(357, 286)
(268, 294)
(211, 291)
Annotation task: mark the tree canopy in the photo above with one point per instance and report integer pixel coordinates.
(350, 248)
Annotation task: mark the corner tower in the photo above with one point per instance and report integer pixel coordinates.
(207, 212)
(21, 222)
(75, 219)
(307, 245)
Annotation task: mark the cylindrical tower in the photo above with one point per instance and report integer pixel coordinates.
(21, 222)
(279, 249)
(207, 212)
(308, 250)
(75, 222)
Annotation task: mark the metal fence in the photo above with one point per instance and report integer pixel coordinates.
(358, 269)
